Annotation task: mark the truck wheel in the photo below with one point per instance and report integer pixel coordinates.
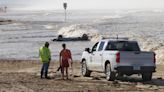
(146, 76)
(110, 76)
(119, 75)
(84, 70)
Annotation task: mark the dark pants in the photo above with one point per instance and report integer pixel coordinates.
(44, 69)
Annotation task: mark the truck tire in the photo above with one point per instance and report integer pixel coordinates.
(119, 75)
(146, 76)
(84, 70)
(110, 76)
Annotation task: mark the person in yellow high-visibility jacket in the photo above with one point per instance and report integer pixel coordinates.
(45, 58)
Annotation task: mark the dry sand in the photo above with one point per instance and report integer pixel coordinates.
(23, 76)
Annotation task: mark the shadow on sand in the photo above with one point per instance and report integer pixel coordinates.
(154, 81)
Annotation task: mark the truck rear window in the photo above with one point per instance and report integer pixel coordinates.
(123, 46)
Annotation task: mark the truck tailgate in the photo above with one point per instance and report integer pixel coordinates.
(133, 58)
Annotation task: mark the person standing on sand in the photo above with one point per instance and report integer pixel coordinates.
(65, 59)
(45, 58)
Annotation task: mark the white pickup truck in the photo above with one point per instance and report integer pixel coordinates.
(118, 57)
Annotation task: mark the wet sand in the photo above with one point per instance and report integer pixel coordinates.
(24, 76)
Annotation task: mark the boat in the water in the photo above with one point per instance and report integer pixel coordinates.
(84, 37)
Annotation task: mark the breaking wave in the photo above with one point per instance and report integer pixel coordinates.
(158, 11)
(112, 17)
(105, 18)
(49, 26)
(78, 30)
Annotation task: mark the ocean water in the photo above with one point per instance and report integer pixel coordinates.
(30, 29)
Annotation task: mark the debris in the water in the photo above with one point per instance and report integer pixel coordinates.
(83, 38)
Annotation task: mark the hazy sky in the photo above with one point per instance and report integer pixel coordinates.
(86, 4)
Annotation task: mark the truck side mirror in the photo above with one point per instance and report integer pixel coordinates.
(88, 50)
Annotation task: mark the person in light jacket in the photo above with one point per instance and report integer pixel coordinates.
(45, 58)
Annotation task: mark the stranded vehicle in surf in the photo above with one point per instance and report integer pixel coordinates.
(84, 37)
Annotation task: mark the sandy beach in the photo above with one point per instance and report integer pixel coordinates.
(25, 26)
(20, 68)
(24, 76)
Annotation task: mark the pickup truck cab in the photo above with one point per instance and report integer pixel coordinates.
(118, 57)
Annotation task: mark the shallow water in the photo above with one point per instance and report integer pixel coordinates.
(22, 39)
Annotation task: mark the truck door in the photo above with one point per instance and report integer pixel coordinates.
(98, 58)
(92, 63)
